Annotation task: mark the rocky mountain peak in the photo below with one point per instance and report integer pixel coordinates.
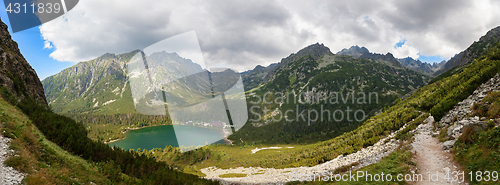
(475, 50)
(354, 51)
(315, 50)
(15, 72)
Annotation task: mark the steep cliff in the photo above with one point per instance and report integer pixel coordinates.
(16, 75)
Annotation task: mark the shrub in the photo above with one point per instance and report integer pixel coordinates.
(467, 135)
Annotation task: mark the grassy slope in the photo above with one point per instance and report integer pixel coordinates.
(438, 98)
(479, 150)
(44, 161)
(330, 73)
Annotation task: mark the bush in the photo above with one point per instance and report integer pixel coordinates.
(467, 135)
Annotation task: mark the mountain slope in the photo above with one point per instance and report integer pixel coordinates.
(43, 161)
(255, 77)
(436, 98)
(101, 86)
(75, 159)
(90, 86)
(315, 72)
(474, 51)
(16, 74)
(362, 52)
(419, 66)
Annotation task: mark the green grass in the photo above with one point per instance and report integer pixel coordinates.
(106, 128)
(44, 161)
(398, 162)
(365, 135)
(231, 175)
(478, 151)
(292, 79)
(489, 107)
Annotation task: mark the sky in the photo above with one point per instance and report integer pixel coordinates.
(243, 34)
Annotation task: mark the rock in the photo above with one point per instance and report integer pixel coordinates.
(15, 71)
(447, 121)
(448, 144)
(458, 129)
(463, 122)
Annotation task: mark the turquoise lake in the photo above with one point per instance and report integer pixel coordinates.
(160, 136)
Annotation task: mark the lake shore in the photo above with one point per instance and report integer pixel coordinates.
(225, 133)
(226, 140)
(127, 129)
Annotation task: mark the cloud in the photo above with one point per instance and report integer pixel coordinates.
(405, 50)
(47, 45)
(242, 34)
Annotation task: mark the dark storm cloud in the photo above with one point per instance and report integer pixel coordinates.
(243, 34)
(238, 25)
(419, 15)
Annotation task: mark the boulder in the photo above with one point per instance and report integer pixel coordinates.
(448, 144)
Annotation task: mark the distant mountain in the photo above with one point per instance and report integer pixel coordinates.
(353, 51)
(419, 66)
(474, 51)
(101, 86)
(253, 78)
(362, 52)
(95, 86)
(16, 75)
(261, 74)
(316, 72)
(410, 63)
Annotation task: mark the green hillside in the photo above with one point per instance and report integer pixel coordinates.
(109, 165)
(432, 98)
(44, 161)
(335, 83)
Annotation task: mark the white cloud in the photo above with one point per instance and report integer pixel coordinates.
(242, 34)
(47, 45)
(405, 50)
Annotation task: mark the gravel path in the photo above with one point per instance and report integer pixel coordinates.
(258, 175)
(8, 175)
(431, 158)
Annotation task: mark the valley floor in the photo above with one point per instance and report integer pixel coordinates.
(251, 175)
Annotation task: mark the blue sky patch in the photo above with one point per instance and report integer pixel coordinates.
(430, 59)
(400, 43)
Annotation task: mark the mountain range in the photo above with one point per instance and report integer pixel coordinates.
(474, 51)
(41, 147)
(54, 149)
(316, 71)
(101, 86)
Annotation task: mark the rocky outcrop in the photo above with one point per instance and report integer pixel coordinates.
(478, 48)
(354, 51)
(316, 51)
(15, 72)
(362, 52)
(475, 50)
(459, 117)
(450, 64)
